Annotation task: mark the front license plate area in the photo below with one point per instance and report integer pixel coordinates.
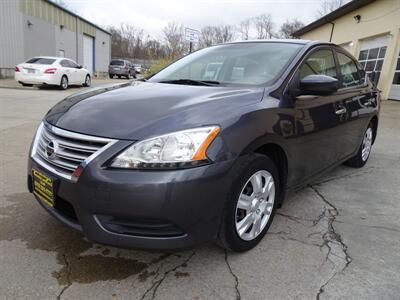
(43, 187)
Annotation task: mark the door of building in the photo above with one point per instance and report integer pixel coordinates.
(88, 53)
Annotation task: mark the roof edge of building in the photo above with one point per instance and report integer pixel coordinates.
(341, 11)
(77, 16)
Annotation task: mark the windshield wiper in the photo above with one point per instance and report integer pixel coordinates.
(191, 82)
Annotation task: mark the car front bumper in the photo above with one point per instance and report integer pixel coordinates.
(172, 209)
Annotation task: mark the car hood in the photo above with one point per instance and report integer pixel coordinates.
(141, 109)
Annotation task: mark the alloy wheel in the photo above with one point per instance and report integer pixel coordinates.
(366, 144)
(255, 205)
(64, 83)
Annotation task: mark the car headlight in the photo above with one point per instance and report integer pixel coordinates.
(177, 149)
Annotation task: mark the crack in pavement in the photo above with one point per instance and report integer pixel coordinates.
(330, 237)
(293, 218)
(366, 170)
(238, 296)
(156, 284)
(68, 280)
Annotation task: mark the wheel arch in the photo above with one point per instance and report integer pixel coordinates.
(276, 152)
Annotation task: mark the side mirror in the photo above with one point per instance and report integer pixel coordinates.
(318, 85)
(79, 67)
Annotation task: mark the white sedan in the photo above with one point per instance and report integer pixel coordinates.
(46, 70)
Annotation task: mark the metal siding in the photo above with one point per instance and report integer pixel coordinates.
(47, 12)
(34, 43)
(11, 33)
(65, 40)
(103, 51)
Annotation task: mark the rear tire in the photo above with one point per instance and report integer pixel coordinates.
(361, 158)
(111, 76)
(119, 76)
(244, 223)
(64, 82)
(27, 84)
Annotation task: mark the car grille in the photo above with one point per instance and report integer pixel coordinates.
(71, 149)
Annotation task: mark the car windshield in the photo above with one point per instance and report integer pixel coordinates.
(251, 63)
(117, 63)
(40, 61)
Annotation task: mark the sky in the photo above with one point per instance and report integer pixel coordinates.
(153, 15)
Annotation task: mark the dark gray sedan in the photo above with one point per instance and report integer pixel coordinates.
(206, 149)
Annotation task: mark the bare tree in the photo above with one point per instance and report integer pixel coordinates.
(244, 29)
(328, 6)
(207, 36)
(212, 35)
(224, 34)
(174, 37)
(289, 27)
(264, 26)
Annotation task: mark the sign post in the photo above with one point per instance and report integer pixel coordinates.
(192, 36)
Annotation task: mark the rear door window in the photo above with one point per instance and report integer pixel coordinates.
(64, 63)
(72, 64)
(40, 61)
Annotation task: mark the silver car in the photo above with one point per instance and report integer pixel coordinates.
(121, 68)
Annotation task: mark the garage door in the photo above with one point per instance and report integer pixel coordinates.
(395, 88)
(88, 53)
(372, 54)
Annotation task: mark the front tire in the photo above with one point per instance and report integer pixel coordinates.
(251, 205)
(361, 158)
(27, 84)
(64, 82)
(88, 81)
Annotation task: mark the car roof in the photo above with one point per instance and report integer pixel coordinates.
(288, 41)
(50, 57)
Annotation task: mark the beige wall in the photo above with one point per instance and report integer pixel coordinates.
(381, 17)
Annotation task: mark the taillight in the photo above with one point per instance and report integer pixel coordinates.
(16, 69)
(50, 71)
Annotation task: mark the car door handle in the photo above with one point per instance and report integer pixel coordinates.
(341, 111)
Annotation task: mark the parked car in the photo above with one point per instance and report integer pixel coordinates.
(47, 70)
(176, 160)
(138, 68)
(121, 68)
